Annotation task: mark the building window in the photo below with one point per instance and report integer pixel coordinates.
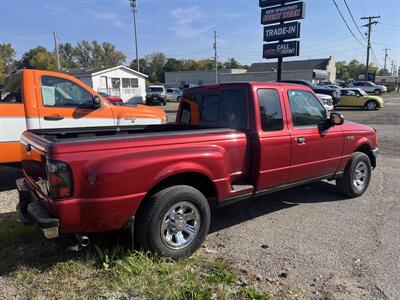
(103, 82)
(116, 83)
(130, 83)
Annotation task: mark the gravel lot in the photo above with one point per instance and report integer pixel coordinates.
(311, 237)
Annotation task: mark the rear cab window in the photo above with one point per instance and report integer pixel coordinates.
(215, 108)
(12, 90)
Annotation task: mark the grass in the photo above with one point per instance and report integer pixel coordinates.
(45, 270)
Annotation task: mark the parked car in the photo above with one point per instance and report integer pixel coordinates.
(334, 93)
(113, 99)
(35, 99)
(174, 94)
(333, 86)
(368, 87)
(353, 97)
(156, 94)
(188, 86)
(230, 142)
(327, 101)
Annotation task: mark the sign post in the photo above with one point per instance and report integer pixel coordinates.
(281, 11)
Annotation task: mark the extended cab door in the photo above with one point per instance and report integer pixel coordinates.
(316, 146)
(64, 101)
(274, 138)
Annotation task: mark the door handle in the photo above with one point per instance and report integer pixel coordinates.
(301, 140)
(53, 118)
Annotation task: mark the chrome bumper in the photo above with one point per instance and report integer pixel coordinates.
(376, 151)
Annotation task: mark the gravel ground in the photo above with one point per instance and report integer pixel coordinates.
(311, 237)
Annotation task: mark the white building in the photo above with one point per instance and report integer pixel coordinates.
(119, 81)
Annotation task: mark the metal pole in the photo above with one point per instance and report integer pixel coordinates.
(136, 43)
(56, 50)
(280, 59)
(134, 10)
(386, 56)
(215, 57)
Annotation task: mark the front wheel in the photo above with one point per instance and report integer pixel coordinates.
(371, 105)
(174, 221)
(356, 177)
(377, 92)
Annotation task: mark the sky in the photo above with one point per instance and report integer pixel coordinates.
(185, 28)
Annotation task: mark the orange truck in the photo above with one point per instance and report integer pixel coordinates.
(36, 99)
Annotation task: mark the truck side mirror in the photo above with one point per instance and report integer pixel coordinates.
(336, 119)
(96, 101)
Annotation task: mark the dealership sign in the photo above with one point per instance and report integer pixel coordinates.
(283, 49)
(282, 13)
(269, 3)
(282, 32)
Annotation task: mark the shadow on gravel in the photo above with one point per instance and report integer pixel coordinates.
(8, 175)
(243, 211)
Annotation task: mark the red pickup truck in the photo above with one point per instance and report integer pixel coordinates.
(230, 142)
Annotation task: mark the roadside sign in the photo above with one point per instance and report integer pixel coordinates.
(284, 49)
(282, 32)
(283, 13)
(269, 3)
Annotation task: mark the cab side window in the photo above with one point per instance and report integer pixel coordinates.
(12, 92)
(306, 109)
(60, 92)
(270, 110)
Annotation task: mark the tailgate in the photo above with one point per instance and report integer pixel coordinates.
(33, 154)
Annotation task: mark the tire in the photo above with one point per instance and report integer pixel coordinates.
(164, 102)
(371, 105)
(161, 224)
(178, 99)
(356, 177)
(377, 92)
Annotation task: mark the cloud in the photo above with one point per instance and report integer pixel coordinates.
(188, 22)
(108, 16)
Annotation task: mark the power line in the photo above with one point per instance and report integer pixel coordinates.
(354, 21)
(345, 22)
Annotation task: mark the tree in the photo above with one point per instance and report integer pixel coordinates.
(7, 59)
(67, 56)
(232, 63)
(156, 63)
(342, 71)
(38, 58)
(110, 56)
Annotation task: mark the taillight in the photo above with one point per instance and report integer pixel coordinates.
(59, 179)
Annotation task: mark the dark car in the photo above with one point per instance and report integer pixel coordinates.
(334, 93)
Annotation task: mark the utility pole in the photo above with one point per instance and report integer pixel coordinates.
(386, 56)
(392, 68)
(56, 50)
(134, 10)
(369, 25)
(215, 56)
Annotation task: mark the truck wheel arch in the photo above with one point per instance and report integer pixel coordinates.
(196, 180)
(366, 148)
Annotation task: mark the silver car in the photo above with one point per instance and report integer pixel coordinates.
(174, 94)
(369, 87)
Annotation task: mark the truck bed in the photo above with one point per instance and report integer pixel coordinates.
(68, 135)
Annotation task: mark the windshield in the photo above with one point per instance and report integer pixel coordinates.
(362, 92)
(155, 89)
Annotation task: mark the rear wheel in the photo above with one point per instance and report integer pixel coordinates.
(371, 105)
(174, 221)
(377, 92)
(356, 177)
(178, 99)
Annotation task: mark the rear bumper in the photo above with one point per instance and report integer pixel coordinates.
(31, 211)
(75, 215)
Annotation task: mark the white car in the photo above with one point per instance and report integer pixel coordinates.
(326, 100)
(174, 94)
(369, 87)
